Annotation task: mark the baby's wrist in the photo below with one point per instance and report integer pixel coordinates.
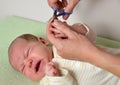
(86, 27)
(90, 34)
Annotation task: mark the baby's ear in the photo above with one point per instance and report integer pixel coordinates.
(43, 40)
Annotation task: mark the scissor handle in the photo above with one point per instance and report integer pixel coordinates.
(64, 13)
(55, 10)
(61, 13)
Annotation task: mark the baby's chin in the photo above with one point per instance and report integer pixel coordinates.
(38, 72)
(36, 78)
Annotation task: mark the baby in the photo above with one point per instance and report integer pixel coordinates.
(32, 56)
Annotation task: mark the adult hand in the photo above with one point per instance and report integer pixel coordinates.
(75, 46)
(78, 47)
(63, 5)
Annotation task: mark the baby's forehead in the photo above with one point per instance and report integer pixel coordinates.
(16, 52)
(18, 44)
(19, 41)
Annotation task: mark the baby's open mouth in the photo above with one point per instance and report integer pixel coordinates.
(37, 66)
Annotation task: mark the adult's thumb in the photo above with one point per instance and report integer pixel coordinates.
(69, 8)
(71, 5)
(50, 35)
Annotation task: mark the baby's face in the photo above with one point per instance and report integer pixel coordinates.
(30, 58)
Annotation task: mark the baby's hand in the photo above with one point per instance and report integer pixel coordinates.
(51, 69)
(79, 28)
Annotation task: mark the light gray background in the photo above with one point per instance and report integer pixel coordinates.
(103, 16)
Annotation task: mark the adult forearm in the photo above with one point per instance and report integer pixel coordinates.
(106, 61)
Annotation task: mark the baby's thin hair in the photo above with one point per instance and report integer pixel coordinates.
(29, 37)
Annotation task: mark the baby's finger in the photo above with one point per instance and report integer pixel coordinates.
(51, 63)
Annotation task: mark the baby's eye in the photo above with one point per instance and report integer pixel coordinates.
(27, 53)
(22, 70)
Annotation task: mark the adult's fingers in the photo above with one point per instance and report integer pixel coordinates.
(53, 3)
(63, 27)
(70, 6)
(65, 3)
(57, 4)
(50, 35)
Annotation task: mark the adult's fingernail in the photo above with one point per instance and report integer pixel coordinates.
(56, 22)
(65, 17)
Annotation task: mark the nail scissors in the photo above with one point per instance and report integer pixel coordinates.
(57, 14)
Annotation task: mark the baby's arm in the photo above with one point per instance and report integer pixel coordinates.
(52, 70)
(64, 78)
